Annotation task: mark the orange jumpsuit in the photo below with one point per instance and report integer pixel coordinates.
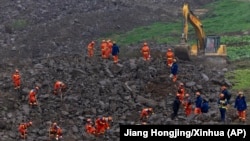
(100, 126)
(145, 52)
(90, 129)
(145, 113)
(32, 97)
(104, 47)
(91, 49)
(181, 91)
(187, 106)
(170, 57)
(23, 129)
(56, 131)
(58, 86)
(109, 48)
(16, 80)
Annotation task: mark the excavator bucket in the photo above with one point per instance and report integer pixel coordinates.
(181, 51)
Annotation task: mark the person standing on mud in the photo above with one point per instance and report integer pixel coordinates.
(169, 57)
(115, 52)
(223, 107)
(145, 50)
(174, 71)
(241, 106)
(176, 106)
(16, 78)
(91, 49)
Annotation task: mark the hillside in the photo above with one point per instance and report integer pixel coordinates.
(46, 40)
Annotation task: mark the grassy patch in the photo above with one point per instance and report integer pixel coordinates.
(240, 79)
(238, 53)
(19, 24)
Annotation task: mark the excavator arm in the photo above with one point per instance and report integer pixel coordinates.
(189, 16)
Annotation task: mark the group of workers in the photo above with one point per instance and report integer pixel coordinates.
(101, 125)
(108, 49)
(58, 88)
(201, 105)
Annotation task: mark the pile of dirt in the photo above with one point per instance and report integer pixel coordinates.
(46, 41)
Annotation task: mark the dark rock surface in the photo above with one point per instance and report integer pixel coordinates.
(46, 41)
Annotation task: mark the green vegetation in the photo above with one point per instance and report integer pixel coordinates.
(225, 17)
(19, 24)
(240, 79)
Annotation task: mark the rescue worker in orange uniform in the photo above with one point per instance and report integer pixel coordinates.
(100, 125)
(169, 57)
(32, 96)
(89, 128)
(187, 105)
(241, 106)
(198, 103)
(104, 47)
(91, 49)
(55, 131)
(145, 50)
(16, 78)
(145, 113)
(181, 91)
(59, 87)
(109, 48)
(107, 121)
(23, 129)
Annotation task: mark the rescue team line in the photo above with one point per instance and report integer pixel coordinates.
(174, 133)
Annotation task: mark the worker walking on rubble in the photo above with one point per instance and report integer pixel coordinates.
(241, 106)
(169, 57)
(226, 93)
(198, 103)
(174, 70)
(145, 113)
(22, 129)
(91, 49)
(33, 96)
(176, 106)
(55, 131)
(59, 87)
(109, 48)
(181, 91)
(187, 104)
(104, 48)
(115, 52)
(89, 127)
(16, 78)
(102, 124)
(222, 107)
(145, 50)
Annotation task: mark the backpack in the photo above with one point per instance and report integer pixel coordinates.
(205, 106)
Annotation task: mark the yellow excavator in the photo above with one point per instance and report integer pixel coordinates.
(206, 45)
